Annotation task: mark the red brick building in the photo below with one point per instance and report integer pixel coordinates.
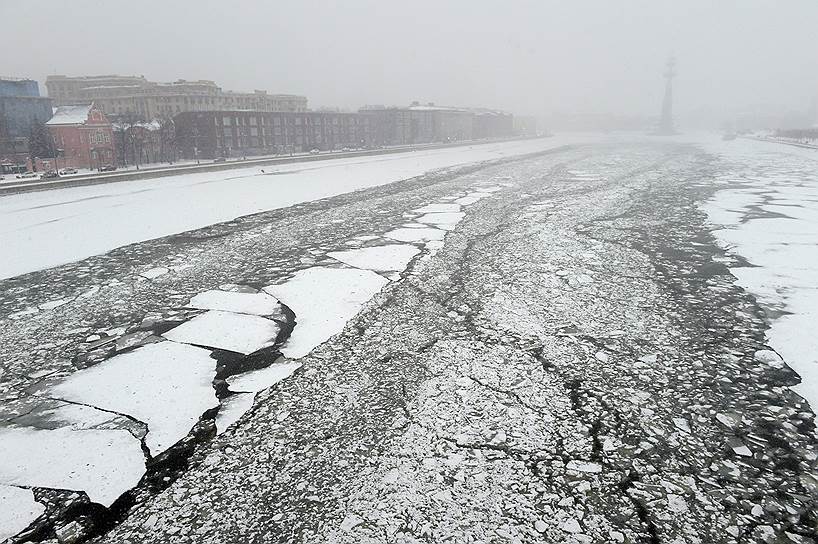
(84, 135)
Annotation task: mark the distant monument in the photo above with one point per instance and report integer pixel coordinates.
(666, 127)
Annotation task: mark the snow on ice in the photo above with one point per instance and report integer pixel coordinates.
(770, 217)
(421, 234)
(391, 257)
(17, 510)
(104, 464)
(242, 333)
(323, 300)
(257, 380)
(232, 408)
(165, 385)
(243, 303)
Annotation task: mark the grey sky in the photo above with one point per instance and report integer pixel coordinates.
(525, 56)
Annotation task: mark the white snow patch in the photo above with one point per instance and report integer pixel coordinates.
(323, 300)
(243, 303)
(165, 385)
(242, 333)
(257, 380)
(446, 221)
(232, 408)
(392, 257)
(17, 510)
(104, 464)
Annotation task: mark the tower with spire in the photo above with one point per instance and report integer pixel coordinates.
(666, 126)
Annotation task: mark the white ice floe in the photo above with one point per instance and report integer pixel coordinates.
(423, 234)
(446, 221)
(165, 385)
(17, 510)
(258, 380)
(232, 408)
(243, 303)
(104, 464)
(438, 208)
(323, 300)
(242, 333)
(154, 272)
(54, 304)
(387, 258)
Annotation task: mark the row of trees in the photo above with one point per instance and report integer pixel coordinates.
(139, 141)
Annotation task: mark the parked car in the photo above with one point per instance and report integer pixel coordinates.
(220, 159)
(67, 171)
(315, 151)
(25, 175)
(51, 174)
(107, 168)
(346, 149)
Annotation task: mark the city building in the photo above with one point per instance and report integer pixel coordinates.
(493, 124)
(136, 96)
(237, 133)
(419, 124)
(83, 137)
(21, 110)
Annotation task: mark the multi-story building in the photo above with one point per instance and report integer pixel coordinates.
(84, 135)
(21, 108)
(244, 133)
(137, 96)
(418, 124)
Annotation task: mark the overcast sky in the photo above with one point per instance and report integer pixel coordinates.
(535, 56)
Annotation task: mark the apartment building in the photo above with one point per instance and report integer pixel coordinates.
(136, 96)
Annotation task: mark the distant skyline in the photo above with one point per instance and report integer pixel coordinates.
(528, 57)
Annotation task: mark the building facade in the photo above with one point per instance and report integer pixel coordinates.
(421, 124)
(21, 109)
(135, 95)
(244, 133)
(83, 136)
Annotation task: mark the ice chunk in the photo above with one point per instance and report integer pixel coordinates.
(233, 407)
(17, 510)
(104, 464)
(416, 235)
(392, 257)
(165, 385)
(438, 208)
(243, 303)
(256, 380)
(154, 272)
(442, 220)
(241, 333)
(323, 300)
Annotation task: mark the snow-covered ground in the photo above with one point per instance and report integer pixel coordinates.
(48, 228)
(768, 212)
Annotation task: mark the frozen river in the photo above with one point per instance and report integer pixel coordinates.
(574, 346)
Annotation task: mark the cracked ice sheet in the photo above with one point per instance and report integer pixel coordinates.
(17, 510)
(243, 303)
(438, 208)
(104, 464)
(392, 257)
(446, 221)
(242, 333)
(323, 300)
(167, 386)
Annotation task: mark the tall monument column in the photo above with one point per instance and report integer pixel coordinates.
(666, 123)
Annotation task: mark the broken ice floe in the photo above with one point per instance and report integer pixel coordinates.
(438, 208)
(323, 300)
(165, 385)
(232, 408)
(386, 258)
(257, 380)
(17, 510)
(154, 272)
(242, 333)
(103, 464)
(422, 234)
(237, 302)
(445, 221)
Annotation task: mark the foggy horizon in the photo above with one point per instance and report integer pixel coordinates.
(529, 58)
